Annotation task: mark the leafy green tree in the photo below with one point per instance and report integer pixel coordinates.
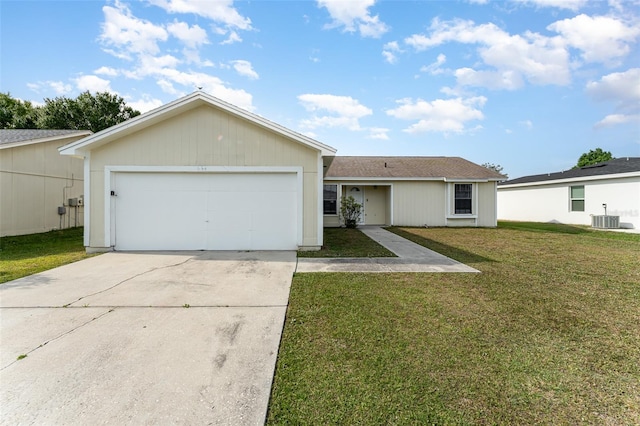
(16, 114)
(86, 112)
(594, 156)
(496, 168)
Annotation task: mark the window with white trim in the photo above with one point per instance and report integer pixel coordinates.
(463, 198)
(330, 199)
(576, 198)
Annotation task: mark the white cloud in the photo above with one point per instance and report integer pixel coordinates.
(168, 78)
(221, 11)
(244, 68)
(434, 68)
(127, 34)
(58, 87)
(233, 38)
(111, 72)
(390, 51)
(344, 111)
(192, 37)
(380, 133)
(538, 59)
(621, 88)
(561, 4)
(508, 79)
(526, 123)
(92, 83)
(354, 16)
(145, 104)
(615, 119)
(600, 38)
(439, 115)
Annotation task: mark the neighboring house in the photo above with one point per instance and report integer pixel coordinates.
(202, 174)
(35, 180)
(575, 196)
(412, 191)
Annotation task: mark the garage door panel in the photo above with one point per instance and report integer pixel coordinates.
(194, 211)
(156, 218)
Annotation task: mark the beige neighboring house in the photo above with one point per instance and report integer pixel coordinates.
(412, 191)
(202, 174)
(35, 181)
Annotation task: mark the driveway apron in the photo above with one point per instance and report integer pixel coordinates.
(144, 338)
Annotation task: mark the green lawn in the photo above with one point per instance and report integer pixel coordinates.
(344, 242)
(548, 333)
(28, 254)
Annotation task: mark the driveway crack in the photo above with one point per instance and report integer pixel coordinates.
(128, 279)
(58, 337)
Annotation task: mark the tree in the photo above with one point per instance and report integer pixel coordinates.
(350, 211)
(594, 156)
(496, 168)
(86, 112)
(17, 114)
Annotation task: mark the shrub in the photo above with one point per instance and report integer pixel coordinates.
(350, 211)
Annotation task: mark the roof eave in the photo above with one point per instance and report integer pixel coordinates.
(573, 179)
(46, 139)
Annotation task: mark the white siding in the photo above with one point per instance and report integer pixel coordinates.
(550, 203)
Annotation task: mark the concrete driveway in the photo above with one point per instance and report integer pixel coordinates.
(144, 338)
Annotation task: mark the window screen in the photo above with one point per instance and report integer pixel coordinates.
(330, 199)
(462, 199)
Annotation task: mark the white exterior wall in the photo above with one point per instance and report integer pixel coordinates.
(550, 202)
(34, 181)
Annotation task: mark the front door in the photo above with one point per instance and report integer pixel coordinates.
(357, 192)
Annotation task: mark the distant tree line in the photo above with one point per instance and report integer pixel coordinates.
(86, 112)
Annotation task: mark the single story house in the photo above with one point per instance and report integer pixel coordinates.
(576, 196)
(201, 174)
(412, 191)
(41, 190)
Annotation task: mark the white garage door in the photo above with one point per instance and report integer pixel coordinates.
(204, 211)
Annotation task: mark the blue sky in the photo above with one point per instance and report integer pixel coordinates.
(527, 84)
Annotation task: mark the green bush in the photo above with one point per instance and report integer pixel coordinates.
(350, 211)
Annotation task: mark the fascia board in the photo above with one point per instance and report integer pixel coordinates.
(571, 180)
(379, 179)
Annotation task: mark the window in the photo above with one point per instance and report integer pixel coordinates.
(462, 198)
(576, 198)
(330, 198)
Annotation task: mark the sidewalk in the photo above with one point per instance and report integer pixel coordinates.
(412, 257)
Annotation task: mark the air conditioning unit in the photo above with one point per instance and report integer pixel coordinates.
(605, 222)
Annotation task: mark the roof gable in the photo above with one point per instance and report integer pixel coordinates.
(435, 168)
(605, 169)
(180, 106)
(10, 138)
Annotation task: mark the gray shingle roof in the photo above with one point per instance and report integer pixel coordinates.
(22, 135)
(406, 167)
(611, 167)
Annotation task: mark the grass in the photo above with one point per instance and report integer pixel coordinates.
(29, 254)
(547, 334)
(345, 242)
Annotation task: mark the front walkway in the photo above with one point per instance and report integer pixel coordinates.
(412, 257)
